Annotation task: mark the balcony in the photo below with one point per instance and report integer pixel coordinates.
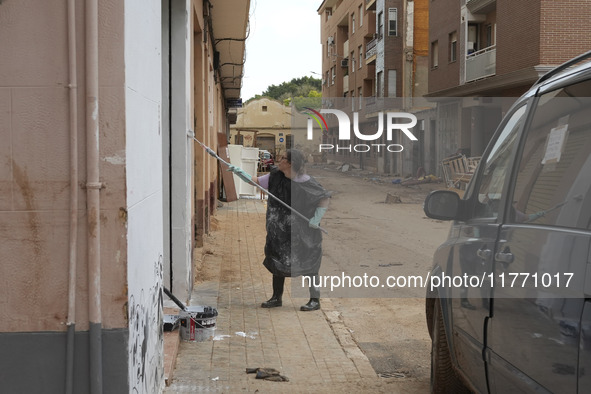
(481, 6)
(481, 64)
(369, 23)
(371, 51)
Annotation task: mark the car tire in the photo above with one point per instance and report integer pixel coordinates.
(444, 378)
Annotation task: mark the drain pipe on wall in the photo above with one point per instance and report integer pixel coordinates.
(93, 186)
(73, 106)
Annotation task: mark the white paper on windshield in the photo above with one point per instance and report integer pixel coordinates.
(555, 144)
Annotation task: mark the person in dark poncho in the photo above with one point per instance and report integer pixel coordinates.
(293, 246)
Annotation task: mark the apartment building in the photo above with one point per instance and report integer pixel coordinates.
(374, 58)
(103, 191)
(493, 49)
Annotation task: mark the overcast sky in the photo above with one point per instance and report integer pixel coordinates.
(284, 43)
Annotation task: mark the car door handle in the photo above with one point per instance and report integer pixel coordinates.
(504, 257)
(484, 254)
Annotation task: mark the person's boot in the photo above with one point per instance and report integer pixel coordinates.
(312, 305)
(273, 302)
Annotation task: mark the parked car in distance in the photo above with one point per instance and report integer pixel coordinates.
(265, 160)
(509, 303)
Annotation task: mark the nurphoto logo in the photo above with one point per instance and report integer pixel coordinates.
(392, 119)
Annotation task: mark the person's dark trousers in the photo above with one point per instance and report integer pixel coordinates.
(275, 300)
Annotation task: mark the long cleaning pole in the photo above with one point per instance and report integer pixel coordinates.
(251, 182)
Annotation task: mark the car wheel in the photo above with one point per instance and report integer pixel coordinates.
(444, 378)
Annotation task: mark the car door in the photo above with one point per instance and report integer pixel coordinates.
(541, 258)
(472, 251)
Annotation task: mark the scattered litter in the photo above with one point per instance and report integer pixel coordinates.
(345, 168)
(396, 181)
(399, 375)
(220, 337)
(389, 265)
(216, 378)
(268, 374)
(171, 322)
(417, 181)
(392, 199)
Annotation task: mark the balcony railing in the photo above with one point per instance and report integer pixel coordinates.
(481, 64)
(370, 49)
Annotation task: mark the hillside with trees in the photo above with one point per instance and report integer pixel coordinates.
(304, 91)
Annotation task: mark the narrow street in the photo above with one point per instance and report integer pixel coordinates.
(364, 339)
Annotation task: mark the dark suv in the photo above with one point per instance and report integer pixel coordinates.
(509, 304)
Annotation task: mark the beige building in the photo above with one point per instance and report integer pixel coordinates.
(103, 191)
(270, 125)
(263, 123)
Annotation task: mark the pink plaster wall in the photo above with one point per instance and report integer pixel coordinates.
(34, 166)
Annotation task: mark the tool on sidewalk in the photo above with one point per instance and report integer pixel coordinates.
(174, 299)
(253, 183)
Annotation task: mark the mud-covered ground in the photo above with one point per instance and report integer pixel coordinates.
(371, 237)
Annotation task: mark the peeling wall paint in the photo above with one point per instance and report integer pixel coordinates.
(146, 336)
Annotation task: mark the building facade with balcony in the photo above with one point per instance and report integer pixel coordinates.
(495, 48)
(373, 51)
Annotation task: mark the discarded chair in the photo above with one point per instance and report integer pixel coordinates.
(458, 170)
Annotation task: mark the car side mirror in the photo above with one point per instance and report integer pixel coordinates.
(442, 205)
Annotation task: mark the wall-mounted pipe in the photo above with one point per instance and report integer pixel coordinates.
(93, 187)
(73, 107)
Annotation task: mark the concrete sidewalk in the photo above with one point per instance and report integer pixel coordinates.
(313, 349)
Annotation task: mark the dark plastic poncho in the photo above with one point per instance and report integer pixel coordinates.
(292, 247)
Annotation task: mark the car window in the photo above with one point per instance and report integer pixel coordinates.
(553, 182)
(498, 166)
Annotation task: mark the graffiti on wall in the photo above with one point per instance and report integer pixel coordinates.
(146, 362)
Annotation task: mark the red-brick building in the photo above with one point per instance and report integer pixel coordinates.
(495, 48)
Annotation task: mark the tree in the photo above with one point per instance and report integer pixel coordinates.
(297, 87)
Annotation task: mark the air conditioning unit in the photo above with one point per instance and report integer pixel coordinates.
(330, 40)
(345, 63)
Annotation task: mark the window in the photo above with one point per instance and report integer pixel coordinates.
(360, 49)
(553, 183)
(328, 13)
(453, 47)
(353, 23)
(334, 74)
(392, 21)
(264, 108)
(380, 27)
(391, 83)
(490, 33)
(472, 44)
(498, 166)
(361, 15)
(352, 61)
(434, 54)
(352, 100)
(379, 84)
